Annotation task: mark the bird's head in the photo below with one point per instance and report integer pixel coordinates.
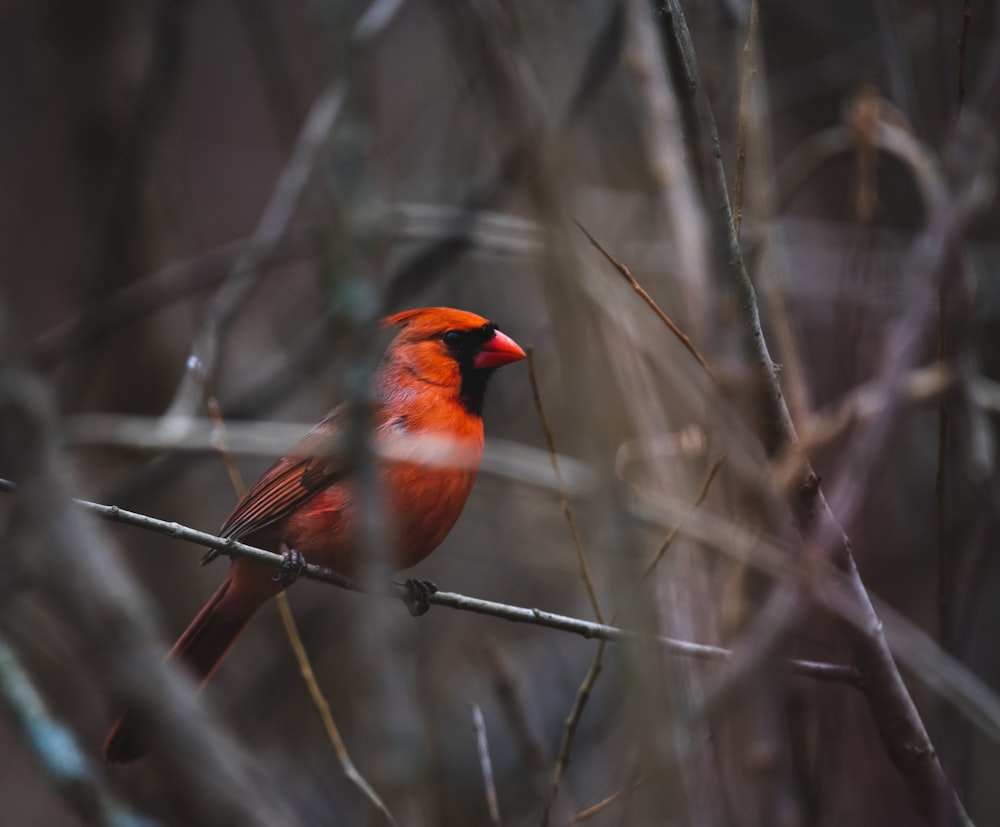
(451, 348)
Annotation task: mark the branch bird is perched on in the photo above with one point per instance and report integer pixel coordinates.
(431, 383)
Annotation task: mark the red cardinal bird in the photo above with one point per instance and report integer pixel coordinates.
(431, 382)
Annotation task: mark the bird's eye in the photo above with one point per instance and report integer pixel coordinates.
(453, 338)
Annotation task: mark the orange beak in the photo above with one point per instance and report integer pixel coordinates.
(499, 351)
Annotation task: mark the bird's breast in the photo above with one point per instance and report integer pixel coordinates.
(426, 498)
(423, 488)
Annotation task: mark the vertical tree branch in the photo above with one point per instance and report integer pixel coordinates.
(747, 77)
(902, 731)
(670, 175)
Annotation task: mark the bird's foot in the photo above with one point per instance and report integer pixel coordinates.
(292, 566)
(417, 597)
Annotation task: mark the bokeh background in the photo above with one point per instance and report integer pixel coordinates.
(148, 152)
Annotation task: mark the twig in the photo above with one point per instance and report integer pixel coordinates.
(279, 378)
(836, 673)
(857, 407)
(837, 140)
(490, 231)
(676, 529)
(175, 281)
(864, 117)
(894, 58)
(483, 748)
(682, 337)
(893, 138)
(503, 233)
(961, 687)
(603, 804)
(275, 221)
(772, 269)
(567, 511)
(288, 621)
(746, 89)
(268, 237)
(701, 121)
(501, 457)
(665, 145)
(511, 700)
(54, 746)
(414, 275)
(946, 565)
(220, 439)
(963, 42)
(72, 562)
(262, 30)
(333, 733)
(122, 231)
(569, 729)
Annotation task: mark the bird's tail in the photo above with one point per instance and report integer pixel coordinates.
(201, 649)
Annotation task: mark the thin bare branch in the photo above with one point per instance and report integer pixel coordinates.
(747, 76)
(660, 125)
(602, 805)
(900, 726)
(174, 282)
(72, 561)
(682, 337)
(269, 236)
(815, 580)
(569, 729)
(275, 221)
(326, 716)
(291, 628)
(516, 614)
(502, 458)
(567, 511)
(947, 565)
(857, 407)
(510, 696)
(483, 748)
(963, 45)
(572, 721)
(676, 529)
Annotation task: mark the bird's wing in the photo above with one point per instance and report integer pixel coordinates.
(305, 471)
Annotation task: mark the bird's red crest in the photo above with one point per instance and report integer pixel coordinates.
(435, 317)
